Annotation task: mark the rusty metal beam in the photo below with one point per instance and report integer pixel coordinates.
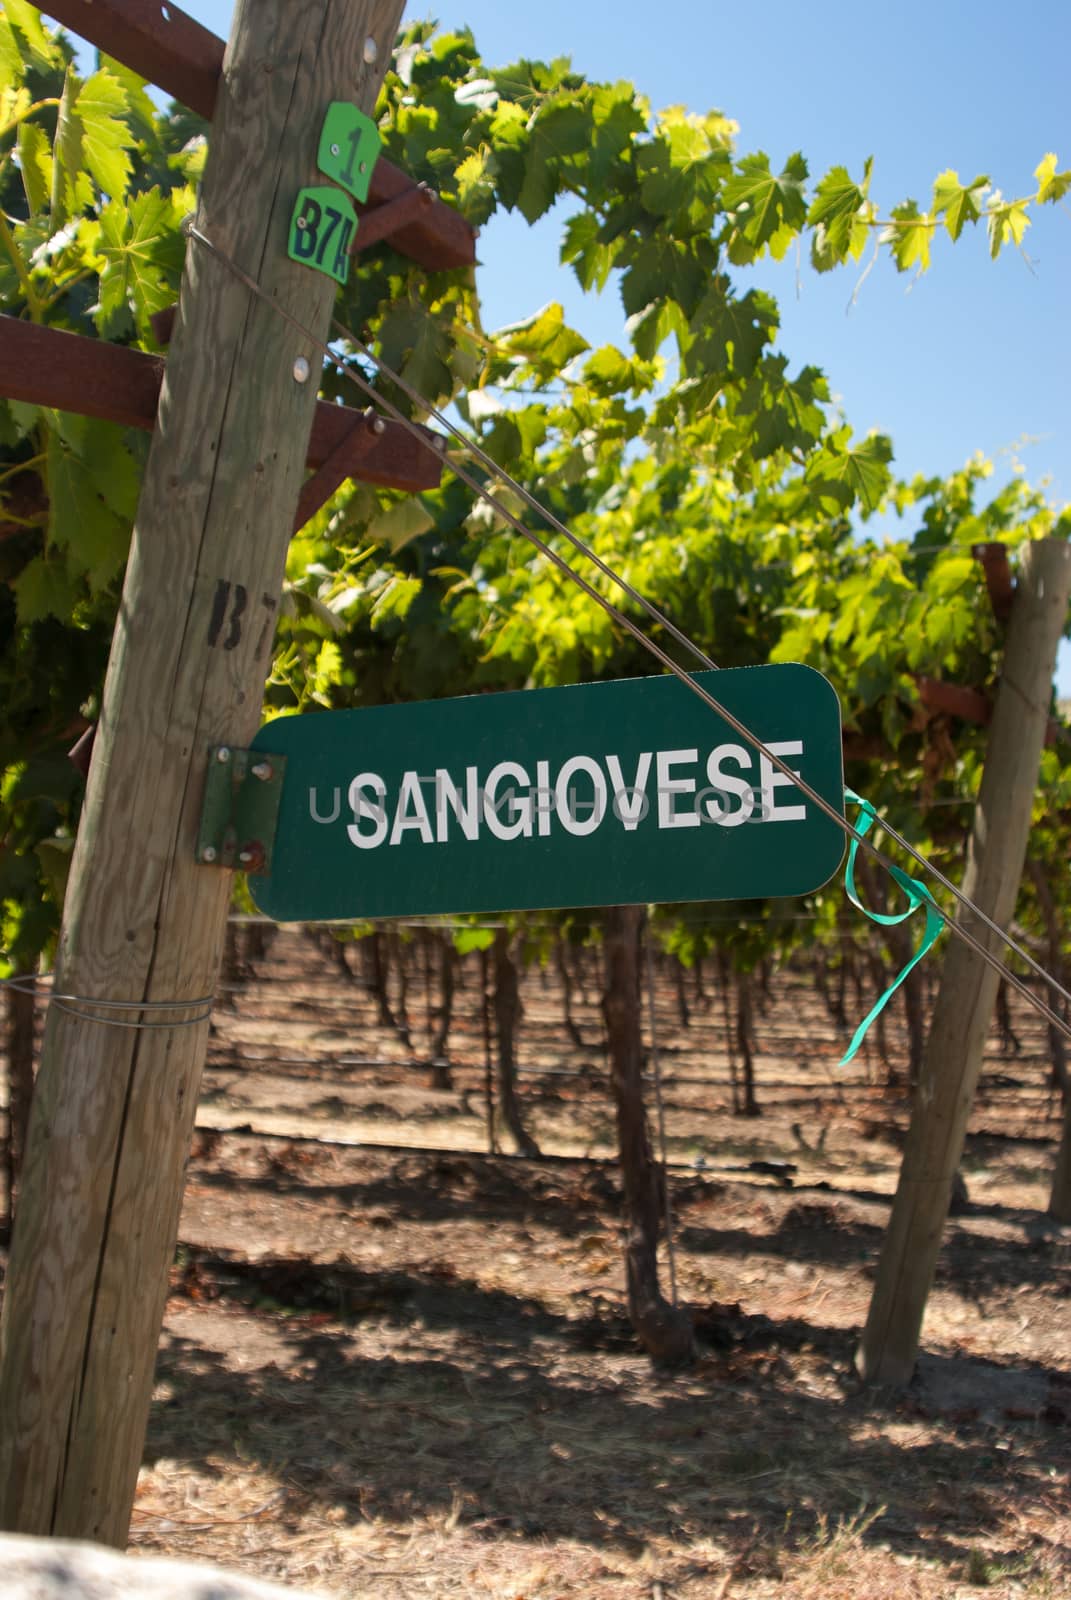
(391, 219)
(970, 705)
(998, 578)
(47, 367)
(438, 238)
(339, 465)
(161, 43)
(168, 48)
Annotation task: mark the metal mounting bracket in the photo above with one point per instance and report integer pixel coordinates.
(240, 809)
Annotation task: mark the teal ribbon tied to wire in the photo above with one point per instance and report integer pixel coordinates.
(917, 894)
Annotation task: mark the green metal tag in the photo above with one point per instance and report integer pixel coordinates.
(321, 231)
(349, 148)
(240, 808)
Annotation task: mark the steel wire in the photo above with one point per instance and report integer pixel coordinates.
(623, 621)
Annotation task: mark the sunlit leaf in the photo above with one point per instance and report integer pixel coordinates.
(1052, 185)
(958, 203)
(1004, 222)
(35, 161)
(100, 108)
(398, 524)
(910, 238)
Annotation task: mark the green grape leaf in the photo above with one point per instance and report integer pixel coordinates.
(677, 168)
(958, 203)
(650, 328)
(730, 332)
(394, 598)
(609, 371)
(55, 858)
(45, 588)
(840, 475)
(765, 206)
(416, 344)
(659, 268)
(787, 415)
(837, 215)
(14, 102)
(79, 519)
(1005, 221)
(508, 135)
(100, 107)
(543, 339)
(140, 109)
(560, 130)
(27, 20)
(113, 471)
(476, 188)
(584, 251)
(143, 253)
(399, 524)
(909, 240)
(12, 71)
(24, 417)
(620, 116)
(1052, 185)
(72, 186)
(35, 160)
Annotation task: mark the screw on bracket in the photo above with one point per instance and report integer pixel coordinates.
(240, 810)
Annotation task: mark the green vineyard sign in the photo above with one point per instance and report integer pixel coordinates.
(596, 794)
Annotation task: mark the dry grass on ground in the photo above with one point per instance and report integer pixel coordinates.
(395, 1373)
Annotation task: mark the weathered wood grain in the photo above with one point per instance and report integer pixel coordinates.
(113, 1108)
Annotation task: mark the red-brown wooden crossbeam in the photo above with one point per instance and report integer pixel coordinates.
(168, 48)
(47, 367)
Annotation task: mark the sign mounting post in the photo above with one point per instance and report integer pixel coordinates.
(144, 923)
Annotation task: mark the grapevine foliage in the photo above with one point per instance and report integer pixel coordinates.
(696, 458)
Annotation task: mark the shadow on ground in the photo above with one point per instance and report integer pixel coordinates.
(402, 1396)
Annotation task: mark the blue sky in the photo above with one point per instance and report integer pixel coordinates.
(975, 355)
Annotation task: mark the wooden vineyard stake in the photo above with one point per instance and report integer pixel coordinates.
(953, 1058)
(144, 924)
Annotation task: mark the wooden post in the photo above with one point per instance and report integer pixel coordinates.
(1060, 1195)
(995, 857)
(664, 1330)
(21, 1016)
(114, 1106)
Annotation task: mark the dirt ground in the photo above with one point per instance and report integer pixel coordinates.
(404, 1370)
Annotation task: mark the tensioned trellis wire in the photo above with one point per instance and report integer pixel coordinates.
(625, 622)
